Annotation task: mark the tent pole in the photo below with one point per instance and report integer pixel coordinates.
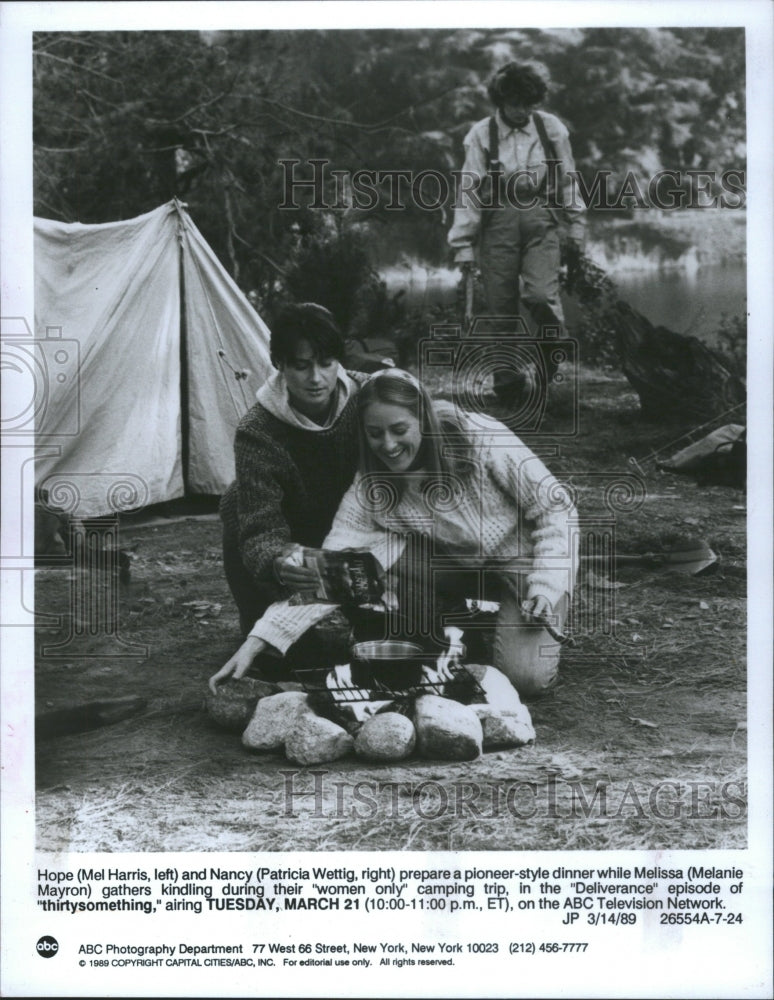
(185, 429)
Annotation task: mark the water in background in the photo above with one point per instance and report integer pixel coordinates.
(686, 301)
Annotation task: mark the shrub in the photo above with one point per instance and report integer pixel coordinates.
(731, 338)
(330, 264)
(596, 295)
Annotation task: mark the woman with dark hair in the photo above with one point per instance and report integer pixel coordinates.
(512, 227)
(295, 454)
(479, 497)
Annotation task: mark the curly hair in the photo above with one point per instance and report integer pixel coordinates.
(517, 82)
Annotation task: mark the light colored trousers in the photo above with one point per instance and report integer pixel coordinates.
(523, 650)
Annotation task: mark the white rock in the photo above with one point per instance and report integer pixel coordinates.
(386, 736)
(498, 690)
(504, 729)
(314, 740)
(446, 730)
(273, 719)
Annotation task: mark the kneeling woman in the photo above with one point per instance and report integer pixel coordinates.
(493, 518)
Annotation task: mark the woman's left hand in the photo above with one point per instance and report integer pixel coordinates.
(537, 607)
(239, 663)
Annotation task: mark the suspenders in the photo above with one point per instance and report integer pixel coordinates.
(548, 145)
(493, 164)
(495, 168)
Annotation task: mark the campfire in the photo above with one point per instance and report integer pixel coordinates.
(393, 700)
(391, 673)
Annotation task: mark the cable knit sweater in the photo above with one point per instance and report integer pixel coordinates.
(510, 509)
(290, 474)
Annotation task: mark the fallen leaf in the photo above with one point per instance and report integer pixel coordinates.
(202, 608)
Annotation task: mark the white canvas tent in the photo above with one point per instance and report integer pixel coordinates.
(145, 339)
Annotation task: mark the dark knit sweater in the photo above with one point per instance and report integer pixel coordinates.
(289, 482)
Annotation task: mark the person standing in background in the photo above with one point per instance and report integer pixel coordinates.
(521, 160)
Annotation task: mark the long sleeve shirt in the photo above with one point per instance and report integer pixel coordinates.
(520, 149)
(509, 512)
(290, 475)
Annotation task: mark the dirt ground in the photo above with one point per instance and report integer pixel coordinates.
(642, 745)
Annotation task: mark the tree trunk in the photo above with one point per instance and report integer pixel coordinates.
(674, 375)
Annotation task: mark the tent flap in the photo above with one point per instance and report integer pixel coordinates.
(108, 322)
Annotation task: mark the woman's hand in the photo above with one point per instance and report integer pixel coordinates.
(541, 610)
(389, 584)
(239, 663)
(290, 570)
(537, 607)
(296, 577)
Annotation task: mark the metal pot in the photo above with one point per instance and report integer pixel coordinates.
(392, 662)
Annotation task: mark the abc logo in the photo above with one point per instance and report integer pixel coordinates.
(47, 946)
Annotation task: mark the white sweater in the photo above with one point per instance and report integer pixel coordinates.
(510, 512)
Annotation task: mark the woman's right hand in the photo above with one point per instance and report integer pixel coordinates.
(239, 663)
(291, 572)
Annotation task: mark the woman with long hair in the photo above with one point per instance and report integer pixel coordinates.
(450, 503)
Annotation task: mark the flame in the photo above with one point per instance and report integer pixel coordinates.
(348, 695)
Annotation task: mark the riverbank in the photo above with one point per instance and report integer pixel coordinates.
(650, 241)
(683, 269)
(661, 240)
